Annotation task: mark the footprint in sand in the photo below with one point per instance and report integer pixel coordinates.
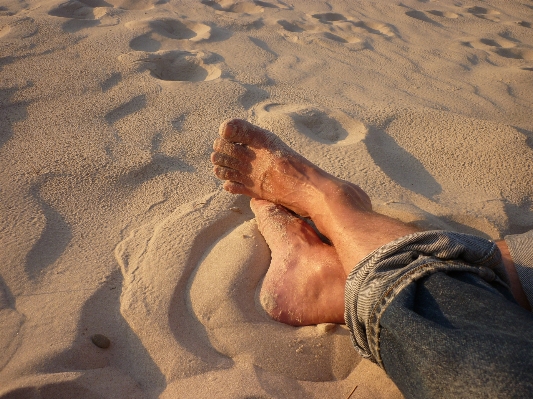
(141, 5)
(245, 14)
(244, 7)
(98, 10)
(421, 16)
(343, 24)
(85, 14)
(515, 53)
(318, 125)
(293, 27)
(484, 13)
(376, 28)
(444, 14)
(301, 26)
(329, 17)
(333, 27)
(75, 9)
(503, 47)
(177, 65)
(341, 29)
(21, 28)
(160, 34)
(240, 7)
(490, 44)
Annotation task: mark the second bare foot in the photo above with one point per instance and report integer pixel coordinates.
(305, 281)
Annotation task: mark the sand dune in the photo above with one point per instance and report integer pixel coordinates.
(112, 223)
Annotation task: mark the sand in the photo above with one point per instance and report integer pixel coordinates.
(111, 221)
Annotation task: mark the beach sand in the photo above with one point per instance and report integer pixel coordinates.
(112, 223)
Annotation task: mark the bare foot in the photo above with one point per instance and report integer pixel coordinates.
(305, 282)
(257, 163)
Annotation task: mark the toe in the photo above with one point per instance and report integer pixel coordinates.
(218, 158)
(236, 188)
(225, 173)
(234, 150)
(241, 131)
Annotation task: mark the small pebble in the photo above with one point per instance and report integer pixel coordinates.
(101, 341)
(327, 327)
(235, 209)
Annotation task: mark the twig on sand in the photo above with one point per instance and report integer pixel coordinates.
(351, 393)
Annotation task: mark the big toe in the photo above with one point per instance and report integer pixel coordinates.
(243, 132)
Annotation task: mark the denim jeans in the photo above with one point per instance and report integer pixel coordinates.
(435, 311)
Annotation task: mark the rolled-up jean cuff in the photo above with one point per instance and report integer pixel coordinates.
(374, 283)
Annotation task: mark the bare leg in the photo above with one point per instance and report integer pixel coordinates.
(255, 162)
(305, 281)
(516, 285)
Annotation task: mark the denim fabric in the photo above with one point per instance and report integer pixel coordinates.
(521, 250)
(453, 335)
(379, 278)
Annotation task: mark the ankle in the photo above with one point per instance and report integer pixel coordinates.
(335, 195)
(334, 202)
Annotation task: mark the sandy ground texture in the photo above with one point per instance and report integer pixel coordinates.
(110, 219)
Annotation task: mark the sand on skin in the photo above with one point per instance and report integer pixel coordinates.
(112, 223)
